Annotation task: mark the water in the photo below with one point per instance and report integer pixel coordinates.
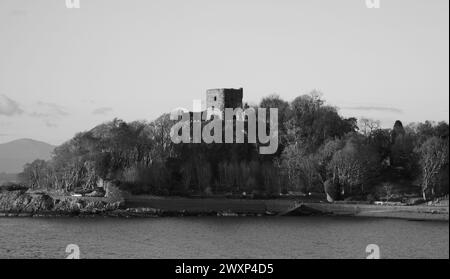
(209, 237)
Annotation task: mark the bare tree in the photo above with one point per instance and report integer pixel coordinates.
(434, 158)
(367, 126)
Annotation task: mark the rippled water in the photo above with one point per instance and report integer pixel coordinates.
(209, 237)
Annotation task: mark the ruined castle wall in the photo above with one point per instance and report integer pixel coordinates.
(233, 98)
(215, 98)
(224, 98)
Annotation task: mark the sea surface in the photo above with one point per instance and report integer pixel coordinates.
(222, 237)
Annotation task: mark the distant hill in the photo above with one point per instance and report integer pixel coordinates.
(14, 155)
(8, 177)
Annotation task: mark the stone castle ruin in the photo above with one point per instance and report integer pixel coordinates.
(224, 98)
(240, 125)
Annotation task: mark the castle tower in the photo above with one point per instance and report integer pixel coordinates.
(224, 98)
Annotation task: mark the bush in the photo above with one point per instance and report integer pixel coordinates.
(331, 189)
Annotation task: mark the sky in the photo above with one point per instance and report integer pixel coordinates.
(63, 70)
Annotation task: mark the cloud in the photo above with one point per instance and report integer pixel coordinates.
(102, 111)
(50, 124)
(49, 113)
(54, 109)
(375, 108)
(49, 110)
(9, 107)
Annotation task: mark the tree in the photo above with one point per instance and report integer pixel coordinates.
(397, 131)
(367, 126)
(37, 174)
(424, 131)
(442, 130)
(301, 169)
(403, 158)
(312, 123)
(355, 166)
(324, 156)
(434, 159)
(284, 112)
(274, 101)
(160, 133)
(380, 139)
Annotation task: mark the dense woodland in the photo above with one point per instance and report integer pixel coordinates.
(319, 151)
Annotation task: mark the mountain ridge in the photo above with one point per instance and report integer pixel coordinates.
(15, 154)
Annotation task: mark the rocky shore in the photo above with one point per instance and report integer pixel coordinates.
(24, 203)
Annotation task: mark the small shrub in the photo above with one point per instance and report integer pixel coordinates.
(331, 189)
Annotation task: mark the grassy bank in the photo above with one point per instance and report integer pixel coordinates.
(438, 213)
(208, 205)
(286, 207)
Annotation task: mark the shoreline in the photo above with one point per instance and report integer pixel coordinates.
(413, 212)
(401, 215)
(154, 207)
